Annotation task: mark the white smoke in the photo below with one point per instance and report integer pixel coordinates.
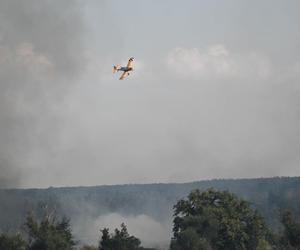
(217, 62)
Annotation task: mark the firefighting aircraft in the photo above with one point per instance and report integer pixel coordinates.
(125, 70)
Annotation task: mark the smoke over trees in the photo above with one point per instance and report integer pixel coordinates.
(207, 219)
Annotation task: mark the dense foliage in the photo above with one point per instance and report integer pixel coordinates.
(206, 219)
(119, 240)
(269, 196)
(291, 234)
(49, 234)
(12, 242)
(216, 220)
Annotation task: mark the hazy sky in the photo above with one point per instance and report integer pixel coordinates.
(215, 92)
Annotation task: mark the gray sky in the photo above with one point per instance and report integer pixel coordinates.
(215, 93)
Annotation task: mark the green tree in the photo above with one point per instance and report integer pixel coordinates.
(190, 240)
(120, 240)
(216, 220)
(13, 242)
(49, 234)
(291, 235)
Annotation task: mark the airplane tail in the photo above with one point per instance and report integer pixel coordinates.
(116, 68)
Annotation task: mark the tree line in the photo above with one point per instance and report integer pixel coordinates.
(204, 220)
(267, 195)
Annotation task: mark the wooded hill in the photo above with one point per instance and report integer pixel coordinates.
(269, 195)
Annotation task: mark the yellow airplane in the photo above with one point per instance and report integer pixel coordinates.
(125, 70)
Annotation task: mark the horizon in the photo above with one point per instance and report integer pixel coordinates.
(155, 183)
(214, 93)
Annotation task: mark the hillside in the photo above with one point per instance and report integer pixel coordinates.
(85, 204)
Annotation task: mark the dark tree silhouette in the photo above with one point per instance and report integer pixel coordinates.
(216, 220)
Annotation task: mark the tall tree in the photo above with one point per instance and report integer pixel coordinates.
(49, 234)
(291, 235)
(216, 220)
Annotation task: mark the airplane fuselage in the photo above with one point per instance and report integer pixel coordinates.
(125, 69)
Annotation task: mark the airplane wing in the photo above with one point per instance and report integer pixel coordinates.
(124, 75)
(130, 63)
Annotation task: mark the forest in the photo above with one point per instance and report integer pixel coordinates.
(271, 206)
(206, 219)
